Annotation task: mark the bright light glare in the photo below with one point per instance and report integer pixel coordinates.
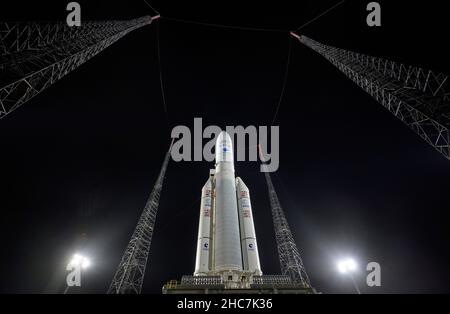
(78, 259)
(347, 265)
(85, 263)
(342, 267)
(351, 265)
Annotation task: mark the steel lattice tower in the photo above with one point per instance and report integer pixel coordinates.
(33, 56)
(418, 97)
(130, 273)
(290, 260)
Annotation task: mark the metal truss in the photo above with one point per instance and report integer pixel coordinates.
(420, 98)
(273, 280)
(33, 56)
(130, 273)
(290, 261)
(201, 280)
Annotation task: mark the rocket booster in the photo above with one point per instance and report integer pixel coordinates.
(202, 262)
(249, 246)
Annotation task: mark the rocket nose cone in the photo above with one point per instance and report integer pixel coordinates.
(224, 137)
(208, 184)
(224, 147)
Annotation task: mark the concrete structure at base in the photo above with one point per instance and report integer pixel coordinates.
(227, 258)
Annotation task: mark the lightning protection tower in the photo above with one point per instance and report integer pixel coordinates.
(419, 98)
(35, 55)
(130, 273)
(291, 263)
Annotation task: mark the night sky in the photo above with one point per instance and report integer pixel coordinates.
(79, 161)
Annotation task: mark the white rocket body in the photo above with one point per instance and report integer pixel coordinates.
(227, 250)
(249, 246)
(226, 235)
(202, 262)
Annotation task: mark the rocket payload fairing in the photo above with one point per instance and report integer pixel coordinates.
(226, 234)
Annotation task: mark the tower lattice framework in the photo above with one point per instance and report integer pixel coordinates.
(35, 55)
(291, 262)
(129, 276)
(419, 98)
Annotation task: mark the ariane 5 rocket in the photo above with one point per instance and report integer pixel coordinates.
(226, 232)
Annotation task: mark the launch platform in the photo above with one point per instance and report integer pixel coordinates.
(265, 284)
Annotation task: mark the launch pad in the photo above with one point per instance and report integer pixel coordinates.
(265, 284)
(227, 259)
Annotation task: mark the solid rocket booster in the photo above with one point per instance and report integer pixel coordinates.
(248, 236)
(227, 248)
(202, 262)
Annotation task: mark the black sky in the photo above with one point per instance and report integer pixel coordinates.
(79, 161)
